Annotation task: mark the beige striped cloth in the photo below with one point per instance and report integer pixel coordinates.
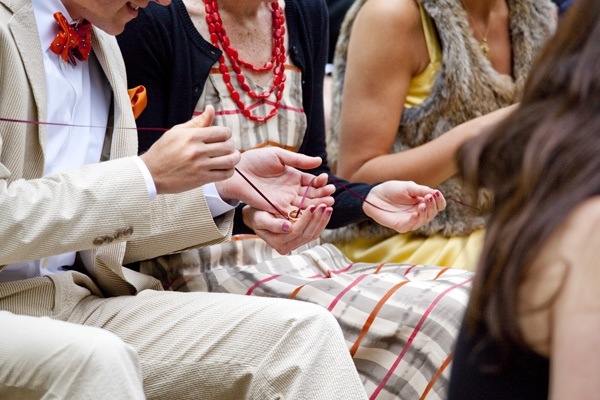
(399, 320)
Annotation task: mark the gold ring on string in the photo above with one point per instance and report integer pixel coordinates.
(294, 214)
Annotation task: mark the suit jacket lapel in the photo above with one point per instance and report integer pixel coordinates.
(108, 53)
(105, 263)
(24, 29)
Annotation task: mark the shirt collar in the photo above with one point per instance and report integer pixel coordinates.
(44, 17)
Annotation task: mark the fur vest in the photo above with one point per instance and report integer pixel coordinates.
(466, 87)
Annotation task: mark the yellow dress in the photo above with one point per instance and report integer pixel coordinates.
(456, 251)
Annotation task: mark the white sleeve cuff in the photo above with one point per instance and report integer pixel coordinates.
(147, 177)
(215, 203)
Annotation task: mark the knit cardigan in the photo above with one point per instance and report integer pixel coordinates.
(467, 86)
(164, 52)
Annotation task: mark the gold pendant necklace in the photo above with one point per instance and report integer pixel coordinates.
(483, 42)
(485, 48)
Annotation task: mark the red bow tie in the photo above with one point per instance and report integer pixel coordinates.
(72, 41)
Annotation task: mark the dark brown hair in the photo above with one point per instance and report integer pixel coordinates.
(540, 163)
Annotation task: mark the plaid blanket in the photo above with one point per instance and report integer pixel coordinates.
(399, 320)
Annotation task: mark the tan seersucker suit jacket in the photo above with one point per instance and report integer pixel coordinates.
(101, 210)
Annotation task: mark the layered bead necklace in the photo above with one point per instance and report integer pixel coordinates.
(276, 65)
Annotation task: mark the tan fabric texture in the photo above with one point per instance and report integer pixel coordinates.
(206, 345)
(116, 223)
(400, 321)
(84, 349)
(190, 346)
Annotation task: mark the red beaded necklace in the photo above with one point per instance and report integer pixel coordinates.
(219, 39)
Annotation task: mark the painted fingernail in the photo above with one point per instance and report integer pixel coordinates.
(312, 209)
(286, 227)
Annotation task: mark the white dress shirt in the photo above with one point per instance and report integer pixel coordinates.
(78, 97)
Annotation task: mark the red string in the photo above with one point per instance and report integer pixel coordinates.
(352, 192)
(24, 121)
(261, 193)
(358, 196)
(463, 204)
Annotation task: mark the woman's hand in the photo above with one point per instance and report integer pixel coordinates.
(285, 235)
(276, 173)
(403, 206)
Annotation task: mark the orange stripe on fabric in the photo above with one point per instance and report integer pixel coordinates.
(371, 318)
(270, 143)
(436, 376)
(412, 337)
(441, 273)
(296, 291)
(379, 267)
(243, 236)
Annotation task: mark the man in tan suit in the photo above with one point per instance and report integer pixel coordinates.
(62, 211)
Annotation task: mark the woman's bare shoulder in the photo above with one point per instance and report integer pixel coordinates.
(400, 15)
(576, 244)
(390, 29)
(564, 271)
(583, 226)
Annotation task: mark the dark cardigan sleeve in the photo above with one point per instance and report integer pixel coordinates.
(147, 51)
(164, 52)
(308, 27)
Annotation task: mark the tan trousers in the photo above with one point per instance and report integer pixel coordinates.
(43, 358)
(195, 345)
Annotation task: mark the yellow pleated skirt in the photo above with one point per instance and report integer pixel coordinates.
(457, 251)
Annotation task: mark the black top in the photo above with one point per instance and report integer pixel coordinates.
(165, 52)
(525, 375)
(337, 13)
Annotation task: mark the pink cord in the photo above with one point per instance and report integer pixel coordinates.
(352, 192)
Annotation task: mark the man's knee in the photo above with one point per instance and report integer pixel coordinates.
(102, 350)
(308, 314)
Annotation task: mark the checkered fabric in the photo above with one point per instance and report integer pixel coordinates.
(399, 320)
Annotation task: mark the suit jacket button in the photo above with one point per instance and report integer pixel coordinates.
(98, 241)
(129, 231)
(108, 239)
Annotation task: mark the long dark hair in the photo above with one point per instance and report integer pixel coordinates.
(540, 163)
